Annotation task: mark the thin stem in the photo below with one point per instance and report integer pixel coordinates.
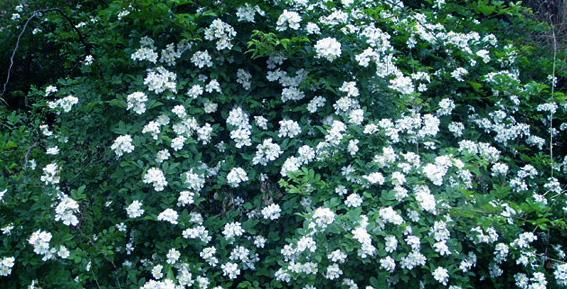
(552, 95)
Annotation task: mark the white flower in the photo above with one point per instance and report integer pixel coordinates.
(316, 103)
(430, 128)
(194, 180)
(160, 79)
(238, 118)
(195, 91)
(180, 111)
(152, 128)
(231, 270)
(210, 107)
(66, 210)
(145, 53)
(6, 265)
(261, 122)
(63, 252)
(157, 272)
(259, 241)
(64, 104)
(292, 93)
(425, 199)
(7, 230)
(177, 143)
(375, 178)
(204, 133)
(337, 256)
(40, 242)
(50, 89)
(222, 32)
(435, 173)
(50, 174)
(333, 272)
(168, 215)
(459, 73)
(155, 177)
(162, 156)
(441, 275)
(137, 102)
(287, 19)
(172, 256)
(391, 243)
(387, 263)
(291, 164)
(243, 77)
(122, 144)
(456, 128)
(198, 232)
(353, 200)
(322, 217)
(412, 260)
(2, 193)
(266, 152)
(241, 137)
(524, 240)
(289, 128)
(349, 87)
(560, 274)
(134, 210)
(389, 215)
(361, 235)
(328, 48)
(484, 54)
(122, 14)
(236, 176)
(45, 130)
(441, 248)
(232, 230)
(271, 212)
(171, 53)
(402, 84)
(246, 13)
(202, 59)
(208, 254)
(52, 151)
(185, 198)
(446, 106)
(312, 28)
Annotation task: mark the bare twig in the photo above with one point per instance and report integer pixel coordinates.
(35, 14)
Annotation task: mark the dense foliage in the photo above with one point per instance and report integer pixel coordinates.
(281, 144)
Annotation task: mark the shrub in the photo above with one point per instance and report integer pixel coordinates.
(301, 144)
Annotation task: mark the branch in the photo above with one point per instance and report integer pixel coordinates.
(38, 13)
(27, 155)
(81, 38)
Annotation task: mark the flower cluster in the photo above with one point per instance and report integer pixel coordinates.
(6, 265)
(122, 144)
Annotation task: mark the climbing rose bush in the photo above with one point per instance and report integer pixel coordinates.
(293, 144)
